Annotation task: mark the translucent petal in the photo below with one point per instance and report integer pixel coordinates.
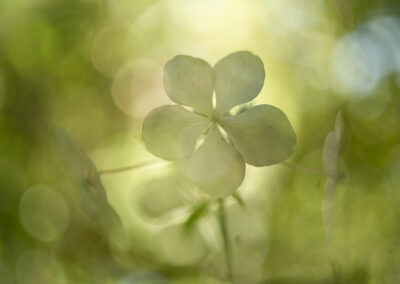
(78, 164)
(331, 154)
(332, 148)
(171, 132)
(329, 207)
(176, 248)
(162, 194)
(88, 187)
(215, 167)
(262, 135)
(238, 78)
(188, 81)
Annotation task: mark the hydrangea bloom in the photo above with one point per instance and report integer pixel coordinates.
(260, 136)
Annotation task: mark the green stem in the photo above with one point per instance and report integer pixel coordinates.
(127, 168)
(225, 237)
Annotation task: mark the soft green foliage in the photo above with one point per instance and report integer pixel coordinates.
(96, 68)
(81, 168)
(44, 213)
(88, 187)
(260, 136)
(198, 212)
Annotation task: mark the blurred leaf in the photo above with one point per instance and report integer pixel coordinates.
(79, 166)
(89, 188)
(162, 194)
(175, 247)
(239, 200)
(198, 212)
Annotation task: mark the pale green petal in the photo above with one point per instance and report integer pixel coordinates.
(331, 158)
(88, 188)
(171, 132)
(328, 207)
(188, 81)
(179, 249)
(262, 135)
(238, 78)
(162, 194)
(71, 154)
(78, 164)
(332, 148)
(339, 124)
(330, 154)
(215, 167)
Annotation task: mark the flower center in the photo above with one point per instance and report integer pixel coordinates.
(214, 119)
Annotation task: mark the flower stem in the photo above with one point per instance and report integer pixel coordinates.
(225, 237)
(127, 168)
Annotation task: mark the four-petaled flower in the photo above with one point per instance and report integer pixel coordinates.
(260, 136)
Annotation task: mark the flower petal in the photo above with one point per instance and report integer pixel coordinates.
(238, 78)
(332, 148)
(88, 187)
(262, 135)
(215, 167)
(78, 164)
(171, 132)
(188, 81)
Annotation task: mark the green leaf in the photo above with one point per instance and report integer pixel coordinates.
(239, 200)
(171, 132)
(215, 167)
(188, 81)
(262, 135)
(199, 211)
(238, 78)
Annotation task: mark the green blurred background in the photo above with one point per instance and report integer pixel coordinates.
(94, 68)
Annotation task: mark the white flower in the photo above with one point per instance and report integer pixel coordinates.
(260, 136)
